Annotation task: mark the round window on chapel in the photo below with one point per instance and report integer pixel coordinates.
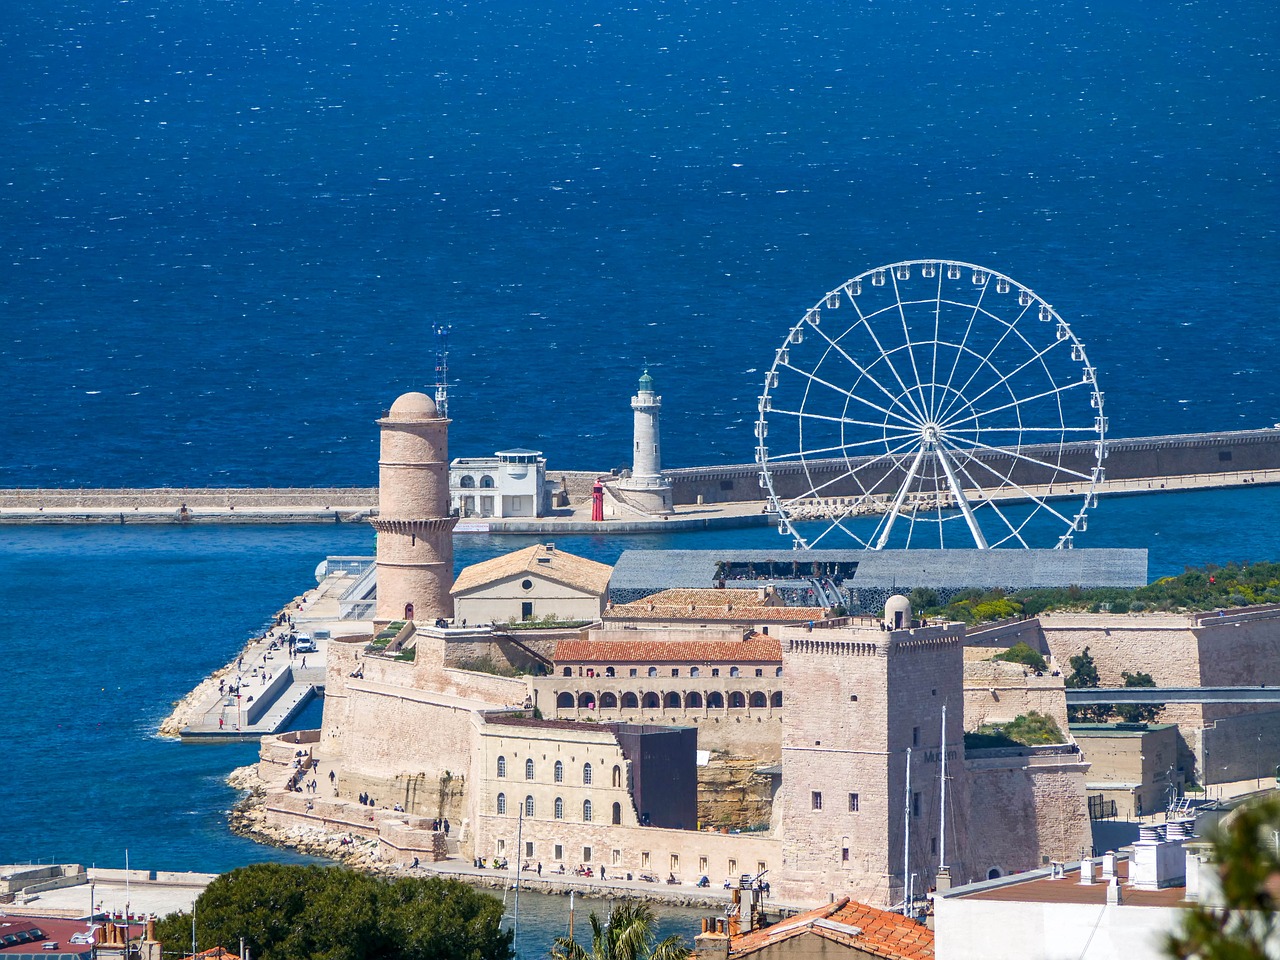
(526, 584)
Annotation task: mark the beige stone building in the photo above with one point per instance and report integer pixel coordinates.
(535, 583)
(1133, 765)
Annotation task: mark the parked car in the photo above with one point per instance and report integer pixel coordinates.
(304, 644)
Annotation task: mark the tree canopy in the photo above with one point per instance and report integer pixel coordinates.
(1243, 926)
(292, 912)
(629, 933)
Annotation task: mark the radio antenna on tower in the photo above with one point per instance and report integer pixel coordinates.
(442, 369)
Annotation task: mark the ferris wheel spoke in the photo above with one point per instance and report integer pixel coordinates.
(986, 360)
(961, 500)
(1016, 531)
(901, 495)
(1039, 501)
(906, 337)
(863, 371)
(801, 455)
(1022, 401)
(972, 401)
(933, 375)
(888, 360)
(806, 415)
(890, 455)
(1012, 429)
(814, 378)
(977, 308)
(1019, 455)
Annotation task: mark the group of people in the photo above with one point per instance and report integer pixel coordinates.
(367, 800)
(440, 823)
(496, 863)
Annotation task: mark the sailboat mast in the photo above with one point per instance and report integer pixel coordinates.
(906, 842)
(515, 925)
(942, 829)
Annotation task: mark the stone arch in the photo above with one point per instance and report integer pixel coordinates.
(993, 873)
(630, 701)
(651, 701)
(672, 701)
(608, 701)
(586, 699)
(486, 482)
(467, 481)
(693, 701)
(734, 672)
(564, 701)
(758, 700)
(617, 775)
(715, 700)
(775, 700)
(737, 701)
(777, 672)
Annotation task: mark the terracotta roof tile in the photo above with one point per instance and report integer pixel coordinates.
(551, 564)
(877, 932)
(711, 605)
(754, 648)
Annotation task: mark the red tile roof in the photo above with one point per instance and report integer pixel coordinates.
(711, 606)
(876, 932)
(755, 648)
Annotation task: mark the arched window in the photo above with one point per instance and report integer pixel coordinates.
(695, 672)
(502, 804)
(778, 672)
(673, 701)
(502, 766)
(528, 769)
(467, 481)
(586, 699)
(776, 699)
(565, 700)
(734, 671)
(559, 808)
(651, 701)
(486, 482)
(993, 874)
(758, 699)
(586, 774)
(586, 811)
(629, 701)
(715, 700)
(528, 807)
(693, 701)
(568, 671)
(608, 672)
(608, 701)
(408, 611)
(653, 671)
(617, 813)
(559, 772)
(737, 700)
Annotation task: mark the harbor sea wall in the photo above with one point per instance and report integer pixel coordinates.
(1143, 458)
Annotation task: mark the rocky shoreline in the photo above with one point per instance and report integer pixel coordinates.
(248, 819)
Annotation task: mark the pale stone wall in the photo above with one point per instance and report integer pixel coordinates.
(503, 600)
(997, 692)
(1026, 805)
(1144, 757)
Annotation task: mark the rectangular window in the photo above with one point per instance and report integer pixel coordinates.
(715, 671)
(528, 848)
(702, 864)
(915, 736)
(761, 866)
(675, 671)
(559, 850)
(617, 858)
(502, 846)
(586, 854)
(844, 854)
(915, 804)
(733, 868)
(644, 859)
(759, 671)
(675, 862)
(633, 672)
(853, 803)
(816, 797)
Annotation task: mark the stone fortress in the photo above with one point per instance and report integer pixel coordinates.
(593, 763)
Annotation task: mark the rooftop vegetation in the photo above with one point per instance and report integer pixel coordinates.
(1028, 730)
(1210, 587)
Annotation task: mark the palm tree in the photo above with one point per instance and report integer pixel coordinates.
(628, 934)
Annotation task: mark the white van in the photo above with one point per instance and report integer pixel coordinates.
(304, 644)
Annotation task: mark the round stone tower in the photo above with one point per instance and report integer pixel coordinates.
(415, 530)
(646, 490)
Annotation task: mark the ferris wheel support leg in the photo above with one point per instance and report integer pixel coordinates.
(961, 500)
(896, 509)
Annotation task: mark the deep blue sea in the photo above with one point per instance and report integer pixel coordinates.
(228, 229)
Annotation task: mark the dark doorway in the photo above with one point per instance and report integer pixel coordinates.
(526, 610)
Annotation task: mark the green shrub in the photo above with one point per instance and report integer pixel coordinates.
(1021, 653)
(1029, 729)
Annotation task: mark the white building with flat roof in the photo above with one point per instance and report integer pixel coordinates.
(511, 483)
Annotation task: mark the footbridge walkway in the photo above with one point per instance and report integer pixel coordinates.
(1084, 696)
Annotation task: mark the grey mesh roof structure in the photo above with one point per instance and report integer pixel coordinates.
(639, 573)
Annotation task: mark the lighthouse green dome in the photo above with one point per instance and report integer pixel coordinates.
(646, 383)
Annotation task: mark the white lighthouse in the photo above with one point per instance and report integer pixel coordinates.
(646, 490)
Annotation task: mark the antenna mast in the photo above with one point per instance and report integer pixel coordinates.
(942, 828)
(442, 369)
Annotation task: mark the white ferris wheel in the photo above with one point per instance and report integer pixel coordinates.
(931, 403)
